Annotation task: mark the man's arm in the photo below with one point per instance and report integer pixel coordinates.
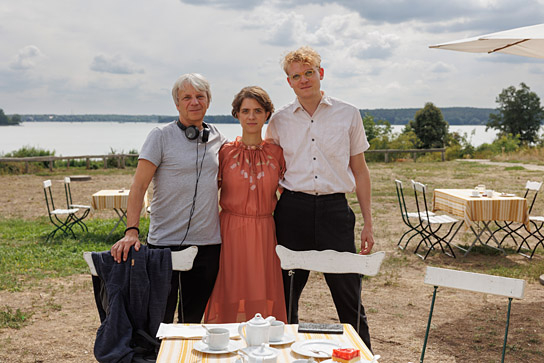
(358, 166)
(144, 173)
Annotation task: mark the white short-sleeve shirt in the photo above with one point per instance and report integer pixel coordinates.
(317, 148)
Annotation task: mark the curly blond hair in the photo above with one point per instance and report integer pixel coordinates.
(304, 55)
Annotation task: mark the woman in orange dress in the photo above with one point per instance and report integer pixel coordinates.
(249, 279)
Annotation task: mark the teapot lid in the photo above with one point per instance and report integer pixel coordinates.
(258, 320)
(263, 351)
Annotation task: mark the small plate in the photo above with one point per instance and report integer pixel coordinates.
(286, 339)
(507, 195)
(232, 347)
(325, 346)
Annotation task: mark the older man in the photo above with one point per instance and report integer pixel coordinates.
(182, 160)
(323, 141)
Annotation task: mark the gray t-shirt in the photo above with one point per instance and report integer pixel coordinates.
(174, 182)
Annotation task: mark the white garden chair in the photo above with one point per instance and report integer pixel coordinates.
(470, 281)
(329, 261)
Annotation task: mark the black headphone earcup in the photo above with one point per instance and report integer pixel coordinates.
(192, 132)
(205, 135)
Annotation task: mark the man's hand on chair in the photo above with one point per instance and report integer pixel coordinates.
(121, 248)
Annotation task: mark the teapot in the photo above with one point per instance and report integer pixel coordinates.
(260, 354)
(257, 330)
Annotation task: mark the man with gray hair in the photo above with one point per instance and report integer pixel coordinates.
(182, 160)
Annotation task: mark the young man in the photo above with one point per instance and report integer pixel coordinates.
(182, 159)
(323, 141)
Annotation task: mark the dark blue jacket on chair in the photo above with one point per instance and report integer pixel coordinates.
(135, 299)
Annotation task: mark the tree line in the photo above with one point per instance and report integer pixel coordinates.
(6, 120)
(401, 116)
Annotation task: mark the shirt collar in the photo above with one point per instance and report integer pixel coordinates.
(325, 100)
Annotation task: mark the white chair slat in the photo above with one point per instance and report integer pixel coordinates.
(65, 211)
(533, 185)
(330, 261)
(476, 282)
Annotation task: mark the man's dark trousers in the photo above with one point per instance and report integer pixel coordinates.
(321, 222)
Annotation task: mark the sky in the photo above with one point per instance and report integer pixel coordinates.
(123, 56)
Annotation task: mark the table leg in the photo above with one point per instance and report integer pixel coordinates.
(122, 218)
(478, 239)
(492, 235)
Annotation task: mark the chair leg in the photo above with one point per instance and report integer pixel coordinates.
(289, 312)
(506, 330)
(540, 241)
(181, 317)
(428, 326)
(359, 304)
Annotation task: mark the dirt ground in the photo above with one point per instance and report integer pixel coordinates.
(466, 327)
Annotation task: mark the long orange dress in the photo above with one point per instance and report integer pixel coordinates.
(249, 279)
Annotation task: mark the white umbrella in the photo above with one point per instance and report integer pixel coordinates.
(527, 41)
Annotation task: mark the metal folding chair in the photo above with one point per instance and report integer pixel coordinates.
(531, 192)
(432, 224)
(69, 203)
(470, 281)
(536, 231)
(329, 261)
(62, 219)
(414, 225)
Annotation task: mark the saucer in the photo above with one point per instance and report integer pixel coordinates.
(204, 348)
(285, 339)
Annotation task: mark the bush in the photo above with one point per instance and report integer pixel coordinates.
(25, 151)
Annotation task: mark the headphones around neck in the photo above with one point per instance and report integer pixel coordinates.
(192, 132)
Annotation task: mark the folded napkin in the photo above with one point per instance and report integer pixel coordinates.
(193, 331)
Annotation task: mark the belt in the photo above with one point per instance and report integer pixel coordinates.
(306, 196)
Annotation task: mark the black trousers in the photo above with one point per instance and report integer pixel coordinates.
(196, 284)
(308, 222)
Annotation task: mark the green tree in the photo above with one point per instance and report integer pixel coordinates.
(429, 126)
(15, 119)
(519, 113)
(374, 129)
(4, 120)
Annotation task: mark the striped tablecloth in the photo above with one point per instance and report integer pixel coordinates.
(175, 350)
(460, 202)
(110, 199)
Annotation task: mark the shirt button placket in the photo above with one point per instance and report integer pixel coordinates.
(314, 152)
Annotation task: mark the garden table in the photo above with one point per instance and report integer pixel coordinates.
(115, 199)
(183, 350)
(481, 209)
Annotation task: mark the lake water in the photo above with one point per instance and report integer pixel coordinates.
(96, 138)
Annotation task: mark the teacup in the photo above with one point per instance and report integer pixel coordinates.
(217, 338)
(475, 193)
(276, 330)
(489, 193)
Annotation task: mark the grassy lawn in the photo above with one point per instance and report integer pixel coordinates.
(25, 256)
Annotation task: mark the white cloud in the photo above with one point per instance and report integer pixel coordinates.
(114, 64)
(123, 56)
(441, 67)
(26, 58)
